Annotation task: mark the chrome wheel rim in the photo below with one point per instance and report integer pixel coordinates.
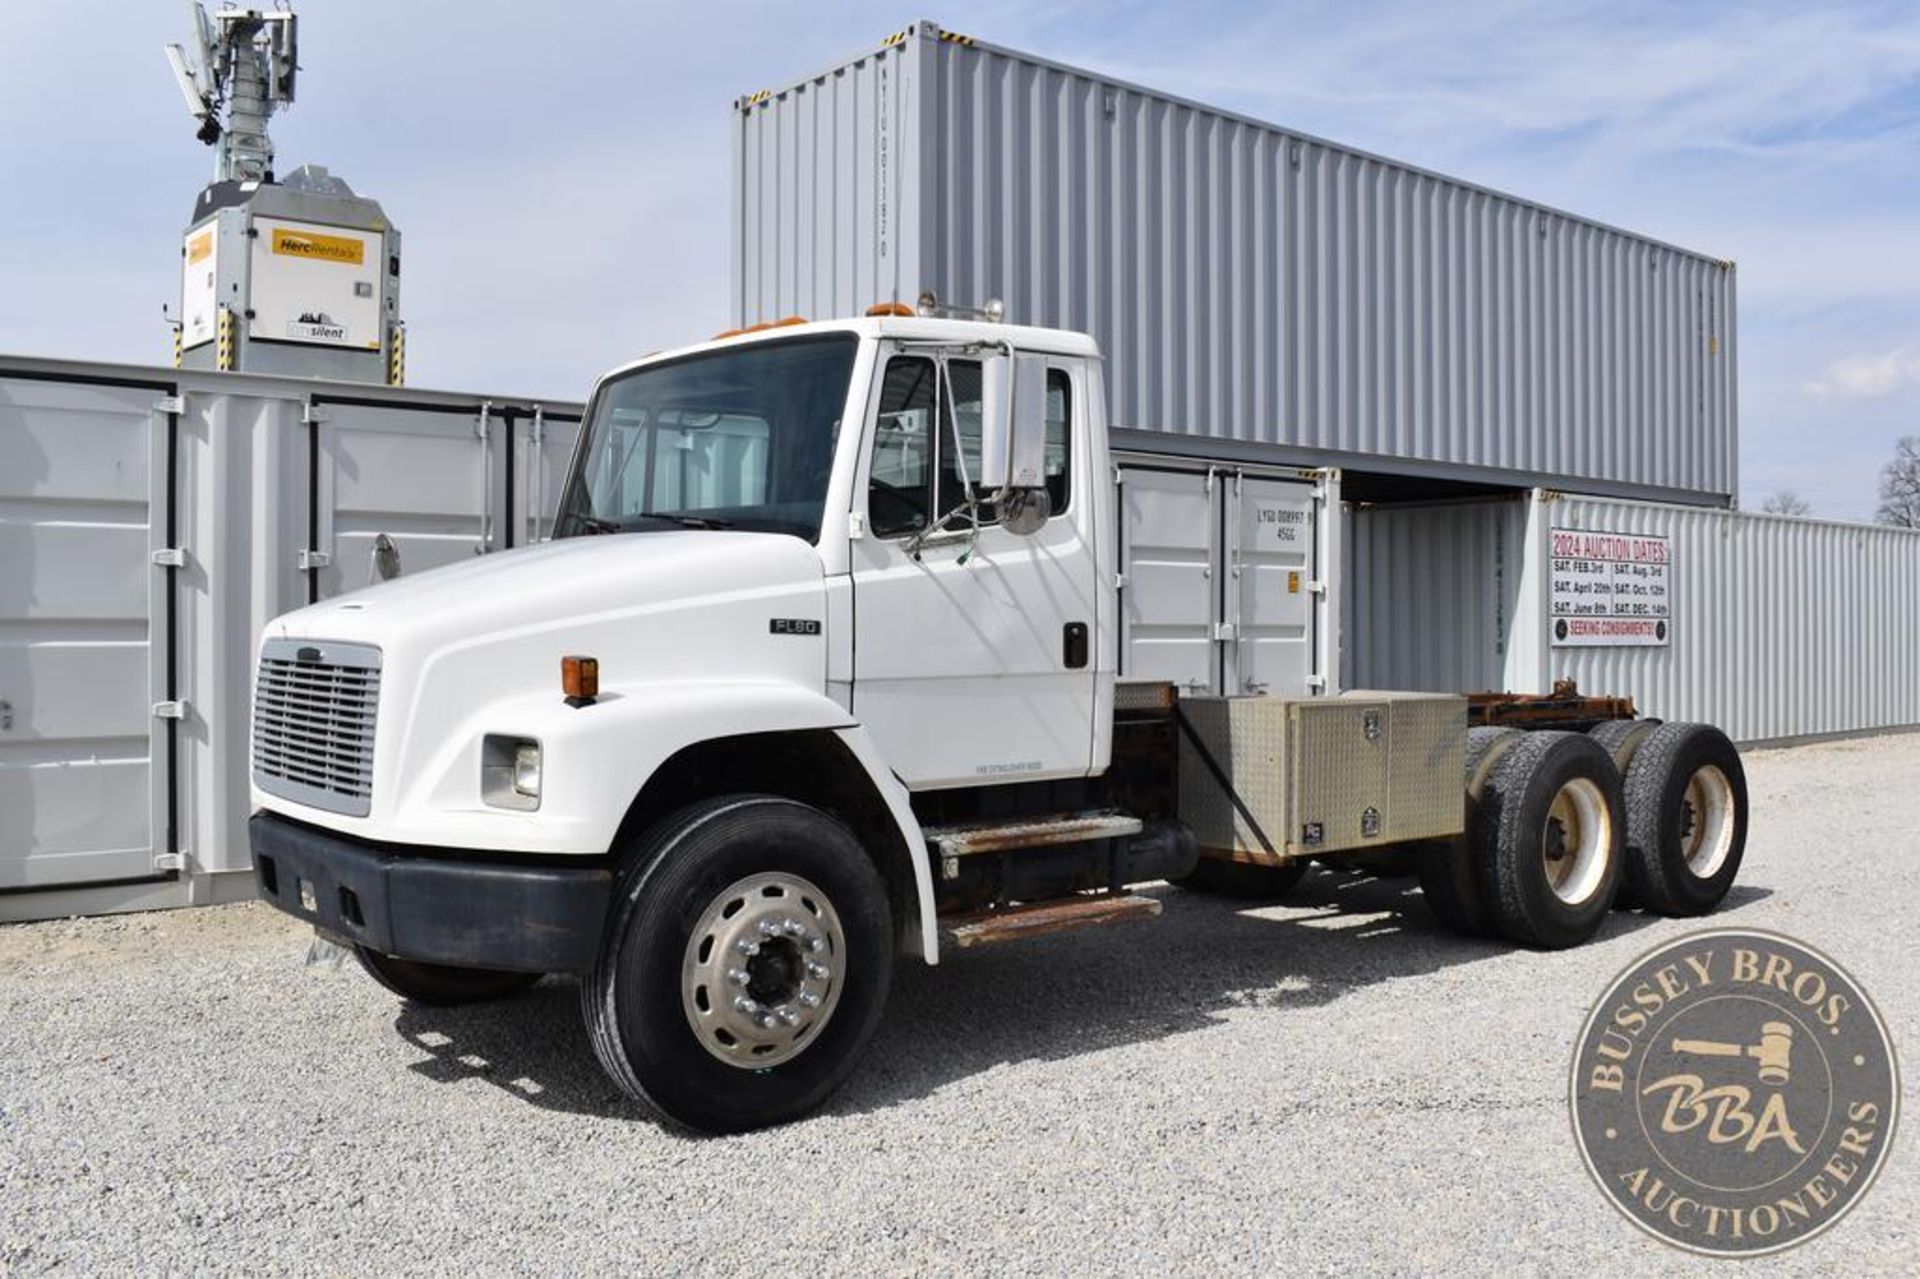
(1577, 841)
(763, 970)
(1706, 821)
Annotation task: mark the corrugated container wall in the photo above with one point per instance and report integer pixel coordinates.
(1430, 595)
(151, 522)
(1780, 627)
(1255, 290)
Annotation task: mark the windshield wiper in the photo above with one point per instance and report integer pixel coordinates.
(594, 524)
(686, 521)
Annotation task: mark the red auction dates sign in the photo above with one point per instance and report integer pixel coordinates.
(1610, 589)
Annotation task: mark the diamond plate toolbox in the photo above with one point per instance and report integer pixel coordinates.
(1322, 775)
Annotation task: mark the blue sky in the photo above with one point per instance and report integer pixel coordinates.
(561, 171)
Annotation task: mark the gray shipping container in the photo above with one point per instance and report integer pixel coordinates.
(1778, 628)
(151, 522)
(1260, 294)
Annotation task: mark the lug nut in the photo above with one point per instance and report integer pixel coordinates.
(769, 929)
(748, 948)
(809, 1000)
(744, 1005)
(794, 927)
(788, 1017)
(766, 1021)
(817, 945)
(738, 976)
(817, 970)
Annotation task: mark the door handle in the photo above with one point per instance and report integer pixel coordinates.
(1073, 645)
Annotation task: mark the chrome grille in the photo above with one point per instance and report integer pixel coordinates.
(314, 707)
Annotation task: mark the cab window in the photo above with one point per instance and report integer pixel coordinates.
(915, 474)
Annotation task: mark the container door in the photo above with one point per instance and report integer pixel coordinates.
(542, 447)
(84, 771)
(399, 489)
(1168, 544)
(1270, 587)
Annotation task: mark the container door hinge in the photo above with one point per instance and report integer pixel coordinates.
(169, 861)
(170, 557)
(310, 560)
(1316, 681)
(170, 404)
(313, 414)
(1226, 631)
(170, 710)
(1316, 588)
(1119, 581)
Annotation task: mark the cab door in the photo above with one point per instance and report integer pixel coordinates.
(973, 647)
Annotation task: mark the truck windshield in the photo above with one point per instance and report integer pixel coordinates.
(734, 439)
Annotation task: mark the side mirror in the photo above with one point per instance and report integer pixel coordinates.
(1013, 438)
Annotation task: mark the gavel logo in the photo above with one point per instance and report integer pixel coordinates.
(1773, 1054)
(1734, 1092)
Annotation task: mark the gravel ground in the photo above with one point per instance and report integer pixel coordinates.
(1335, 1084)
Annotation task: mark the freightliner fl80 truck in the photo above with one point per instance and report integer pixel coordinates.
(824, 665)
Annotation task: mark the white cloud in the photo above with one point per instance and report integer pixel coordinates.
(1869, 376)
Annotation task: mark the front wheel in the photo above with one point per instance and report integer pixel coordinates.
(745, 967)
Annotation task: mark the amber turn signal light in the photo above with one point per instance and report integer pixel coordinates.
(580, 679)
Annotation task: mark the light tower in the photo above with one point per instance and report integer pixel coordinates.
(293, 276)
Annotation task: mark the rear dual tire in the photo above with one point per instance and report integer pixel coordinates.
(1686, 800)
(1449, 871)
(1547, 839)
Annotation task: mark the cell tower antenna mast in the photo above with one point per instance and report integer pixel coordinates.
(237, 71)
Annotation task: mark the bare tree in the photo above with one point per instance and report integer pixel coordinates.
(1900, 485)
(1787, 502)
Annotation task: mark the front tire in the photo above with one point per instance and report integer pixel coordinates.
(746, 964)
(439, 985)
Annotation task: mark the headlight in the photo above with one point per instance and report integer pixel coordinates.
(526, 769)
(510, 772)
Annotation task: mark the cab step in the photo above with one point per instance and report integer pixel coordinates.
(1016, 923)
(1029, 832)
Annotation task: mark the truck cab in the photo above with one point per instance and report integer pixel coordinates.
(818, 668)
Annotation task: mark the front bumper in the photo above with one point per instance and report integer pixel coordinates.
(431, 905)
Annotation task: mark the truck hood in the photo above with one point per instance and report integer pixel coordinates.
(567, 585)
(683, 623)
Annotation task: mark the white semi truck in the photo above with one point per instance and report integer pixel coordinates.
(851, 642)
